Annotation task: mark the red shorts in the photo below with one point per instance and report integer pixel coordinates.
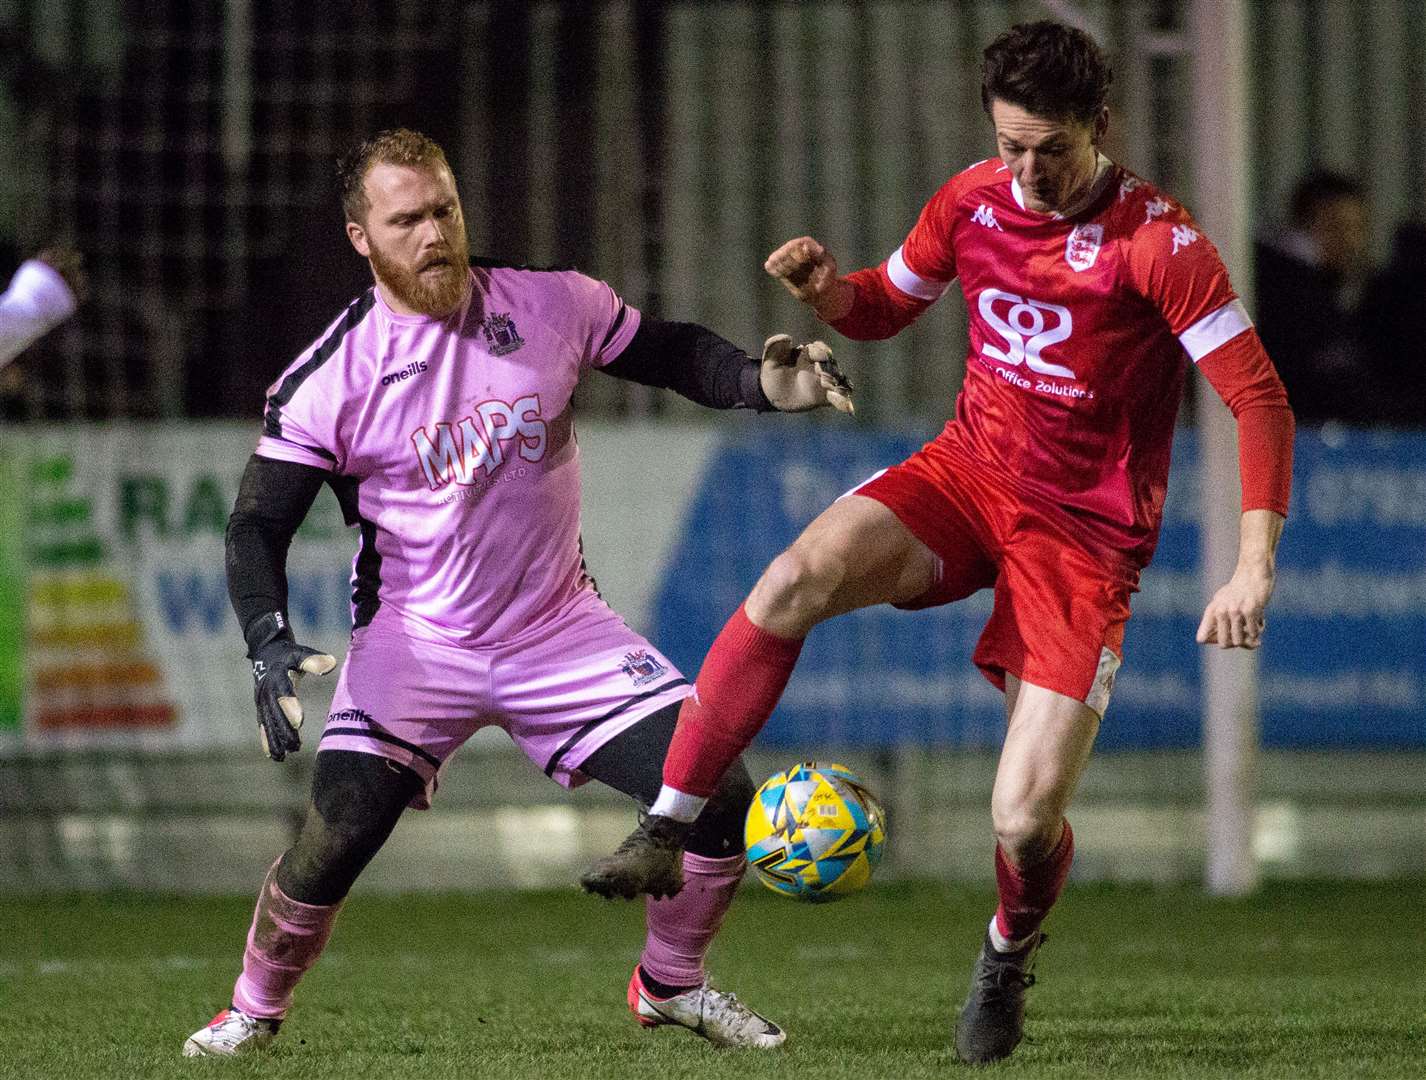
(1060, 602)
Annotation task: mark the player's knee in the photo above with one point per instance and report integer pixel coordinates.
(718, 833)
(1026, 834)
(801, 580)
(356, 800)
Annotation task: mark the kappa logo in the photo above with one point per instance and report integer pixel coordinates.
(500, 333)
(985, 216)
(1082, 246)
(1155, 208)
(1026, 330)
(1128, 184)
(1183, 235)
(642, 667)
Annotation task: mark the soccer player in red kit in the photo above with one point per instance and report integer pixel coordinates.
(1089, 293)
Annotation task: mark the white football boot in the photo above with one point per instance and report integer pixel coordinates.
(720, 1018)
(230, 1033)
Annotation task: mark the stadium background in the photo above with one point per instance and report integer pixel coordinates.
(186, 148)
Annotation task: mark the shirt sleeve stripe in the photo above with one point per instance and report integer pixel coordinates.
(905, 279)
(614, 328)
(1214, 329)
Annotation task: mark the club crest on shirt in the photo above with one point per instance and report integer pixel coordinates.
(642, 667)
(1082, 246)
(500, 333)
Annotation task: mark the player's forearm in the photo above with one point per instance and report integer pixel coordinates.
(1258, 534)
(273, 498)
(875, 309)
(36, 302)
(1240, 371)
(694, 362)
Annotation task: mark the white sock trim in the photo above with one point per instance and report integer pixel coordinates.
(678, 805)
(1002, 943)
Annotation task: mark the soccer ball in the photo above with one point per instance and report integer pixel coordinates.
(815, 832)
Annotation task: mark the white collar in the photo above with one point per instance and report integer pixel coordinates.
(1095, 189)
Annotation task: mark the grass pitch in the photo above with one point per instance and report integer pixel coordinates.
(1302, 981)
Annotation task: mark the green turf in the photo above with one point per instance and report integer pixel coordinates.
(1136, 982)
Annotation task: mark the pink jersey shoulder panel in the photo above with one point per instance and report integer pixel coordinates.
(592, 316)
(305, 403)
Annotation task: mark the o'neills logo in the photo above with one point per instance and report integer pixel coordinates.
(415, 367)
(349, 716)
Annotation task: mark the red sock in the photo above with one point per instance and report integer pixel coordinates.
(743, 675)
(1028, 893)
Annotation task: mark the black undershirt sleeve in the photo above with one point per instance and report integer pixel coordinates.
(273, 499)
(692, 361)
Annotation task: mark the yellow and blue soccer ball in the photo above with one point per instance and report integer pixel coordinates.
(815, 832)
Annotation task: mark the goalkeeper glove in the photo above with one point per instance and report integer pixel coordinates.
(278, 664)
(796, 378)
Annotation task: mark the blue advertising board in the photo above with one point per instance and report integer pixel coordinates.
(1343, 664)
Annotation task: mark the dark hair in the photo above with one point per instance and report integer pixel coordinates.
(1317, 189)
(395, 146)
(1048, 69)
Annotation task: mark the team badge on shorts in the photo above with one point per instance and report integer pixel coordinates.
(642, 667)
(500, 333)
(1082, 246)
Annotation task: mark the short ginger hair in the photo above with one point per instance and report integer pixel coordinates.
(394, 146)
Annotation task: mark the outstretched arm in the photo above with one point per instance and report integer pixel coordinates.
(695, 362)
(866, 305)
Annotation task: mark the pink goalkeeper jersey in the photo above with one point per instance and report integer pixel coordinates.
(1079, 330)
(458, 437)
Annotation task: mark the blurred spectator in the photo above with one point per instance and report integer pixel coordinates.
(44, 292)
(1308, 281)
(1393, 315)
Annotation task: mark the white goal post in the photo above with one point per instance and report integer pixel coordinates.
(1221, 163)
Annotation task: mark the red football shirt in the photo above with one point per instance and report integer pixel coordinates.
(1081, 325)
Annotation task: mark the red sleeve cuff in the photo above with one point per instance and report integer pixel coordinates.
(879, 310)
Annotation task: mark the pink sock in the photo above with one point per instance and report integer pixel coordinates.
(285, 940)
(742, 677)
(1028, 893)
(682, 927)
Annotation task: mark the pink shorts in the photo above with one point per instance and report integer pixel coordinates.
(560, 691)
(1060, 602)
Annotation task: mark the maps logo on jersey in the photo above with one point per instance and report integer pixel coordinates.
(642, 667)
(500, 333)
(469, 451)
(1082, 246)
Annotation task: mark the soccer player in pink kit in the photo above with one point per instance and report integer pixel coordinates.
(437, 406)
(1089, 292)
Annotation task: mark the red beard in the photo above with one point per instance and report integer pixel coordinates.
(426, 292)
